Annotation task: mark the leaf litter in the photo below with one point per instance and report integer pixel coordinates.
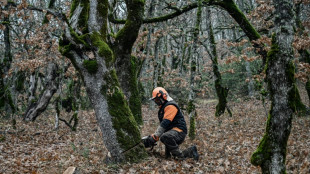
(225, 144)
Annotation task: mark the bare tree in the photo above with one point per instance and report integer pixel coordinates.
(271, 152)
(87, 43)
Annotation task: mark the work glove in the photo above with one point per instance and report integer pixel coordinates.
(149, 141)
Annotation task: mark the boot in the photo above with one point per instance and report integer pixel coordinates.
(167, 153)
(191, 153)
(177, 153)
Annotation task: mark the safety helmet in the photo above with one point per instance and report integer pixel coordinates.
(159, 92)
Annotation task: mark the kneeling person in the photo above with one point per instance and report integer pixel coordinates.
(172, 129)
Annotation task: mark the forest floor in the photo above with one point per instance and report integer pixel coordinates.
(225, 144)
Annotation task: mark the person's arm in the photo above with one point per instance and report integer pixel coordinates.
(169, 113)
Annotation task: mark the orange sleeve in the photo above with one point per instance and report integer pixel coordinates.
(170, 112)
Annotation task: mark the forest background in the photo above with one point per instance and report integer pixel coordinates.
(76, 76)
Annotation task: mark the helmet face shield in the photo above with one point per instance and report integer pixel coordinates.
(158, 100)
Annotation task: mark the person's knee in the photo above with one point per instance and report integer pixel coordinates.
(164, 138)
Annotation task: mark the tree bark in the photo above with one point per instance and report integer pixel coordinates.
(33, 86)
(191, 109)
(271, 152)
(84, 42)
(221, 91)
(6, 100)
(35, 108)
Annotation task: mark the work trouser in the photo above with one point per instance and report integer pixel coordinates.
(172, 139)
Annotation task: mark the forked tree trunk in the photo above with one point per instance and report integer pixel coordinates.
(84, 42)
(35, 108)
(271, 152)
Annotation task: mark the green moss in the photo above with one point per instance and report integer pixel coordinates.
(241, 19)
(75, 119)
(103, 8)
(190, 107)
(192, 128)
(263, 150)
(10, 101)
(135, 98)
(128, 34)
(221, 91)
(2, 138)
(222, 94)
(294, 99)
(198, 19)
(74, 5)
(65, 48)
(83, 18)
(128, 135)
(80, 39)
(262, 155)
(20, 81)
(104, 49)
(91, 66)
(272, 53)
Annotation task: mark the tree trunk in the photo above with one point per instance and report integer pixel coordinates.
(249, 77)
(35, 108)
(127, 68)
(221, 91)
(271, 152)
(191, 110)
(6, 100)
(32, 88)
(84, 42)
(156, 63)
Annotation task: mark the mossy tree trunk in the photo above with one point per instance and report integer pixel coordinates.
(156, 63)
(6, 101)
(85, 43)
(271, 152)
(222, 92)
(191, 109)
(127, 72)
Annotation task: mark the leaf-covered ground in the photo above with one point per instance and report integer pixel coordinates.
(225, 144)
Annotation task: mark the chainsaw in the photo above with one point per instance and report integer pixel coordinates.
(145, 142)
